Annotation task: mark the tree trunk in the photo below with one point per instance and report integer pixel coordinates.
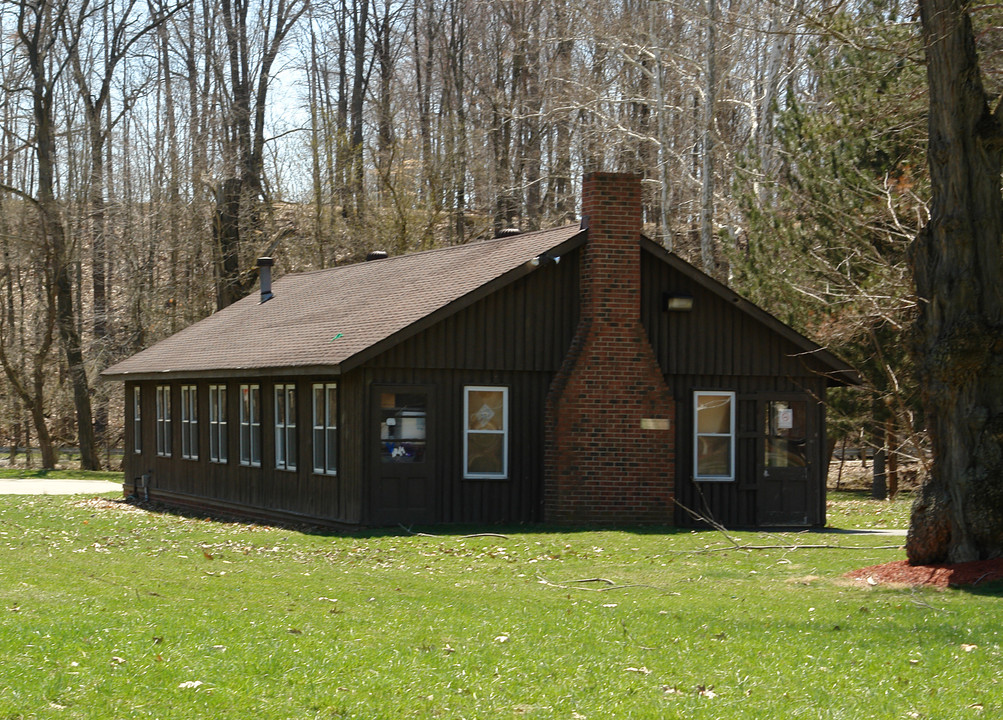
(957, 264)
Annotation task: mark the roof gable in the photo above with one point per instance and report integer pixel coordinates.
(336, 318)
(836, 370)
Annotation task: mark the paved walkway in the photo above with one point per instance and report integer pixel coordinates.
(46, 486)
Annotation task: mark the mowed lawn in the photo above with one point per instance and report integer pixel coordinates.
(108, 611)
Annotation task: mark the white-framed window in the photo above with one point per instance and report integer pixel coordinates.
(217, 423)
(164, 420)
(485, 432)
(285, 427)
(250, 425)
(325, 428)
(137, 420)
(713, 435)
(189, 422)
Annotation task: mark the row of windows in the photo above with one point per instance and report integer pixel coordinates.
(402, 427)
(325, 425)
(485, 442)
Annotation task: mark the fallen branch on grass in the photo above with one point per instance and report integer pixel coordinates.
(787, 547)
(575, 585)
(462, 537)
(735, 545)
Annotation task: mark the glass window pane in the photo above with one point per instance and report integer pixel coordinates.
(280, 407)
(318, 405)
(402, 427)
(332, 405)
(318, 450)
(786, 439)
(714, 456)
(486, 410)
(713, 414)
(332, 450)
(486, 453)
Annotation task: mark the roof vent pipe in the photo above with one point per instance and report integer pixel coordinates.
(376, 255)
(265, 273)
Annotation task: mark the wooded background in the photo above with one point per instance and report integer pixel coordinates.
(152, 151)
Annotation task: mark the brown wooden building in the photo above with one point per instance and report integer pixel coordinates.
(576, 375)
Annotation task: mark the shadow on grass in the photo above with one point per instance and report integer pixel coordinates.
(989, 589)
(443, 530)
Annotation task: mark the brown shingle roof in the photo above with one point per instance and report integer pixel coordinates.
(329, 318)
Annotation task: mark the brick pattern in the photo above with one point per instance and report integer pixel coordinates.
(601, 466)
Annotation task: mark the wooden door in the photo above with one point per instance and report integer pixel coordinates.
(403, 479)
(786, 494)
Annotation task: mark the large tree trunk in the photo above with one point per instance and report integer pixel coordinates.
(959, 333)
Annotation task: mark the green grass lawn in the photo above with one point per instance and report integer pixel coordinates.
(856, 509)
(61, 474)
(107, 611)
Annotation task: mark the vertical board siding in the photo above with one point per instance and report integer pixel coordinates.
(717, 346)
(516, 337)
(524, 326)
(733, 504)
(300, 493)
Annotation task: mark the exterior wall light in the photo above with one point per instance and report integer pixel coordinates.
(677, 302)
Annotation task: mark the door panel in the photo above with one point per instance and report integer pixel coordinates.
(785, 496)
(402, 484)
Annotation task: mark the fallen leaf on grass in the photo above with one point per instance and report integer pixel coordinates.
(190, 684)
(501, 639)
(968, 648)
(707, 692)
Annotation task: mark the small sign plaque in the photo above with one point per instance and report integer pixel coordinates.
(785, 419)
(654, 423)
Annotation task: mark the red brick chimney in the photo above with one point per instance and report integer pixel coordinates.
(610, 414)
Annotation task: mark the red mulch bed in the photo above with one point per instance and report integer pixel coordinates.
(938, 576)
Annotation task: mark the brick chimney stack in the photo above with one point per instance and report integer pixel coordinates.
(610, 414)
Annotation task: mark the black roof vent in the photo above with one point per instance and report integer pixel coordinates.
(376, 255)
(265, 273)
(508, 232)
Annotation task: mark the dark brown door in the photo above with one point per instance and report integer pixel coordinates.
(786, 494)
(402, 485)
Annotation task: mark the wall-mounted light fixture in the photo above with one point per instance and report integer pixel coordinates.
(677, 302)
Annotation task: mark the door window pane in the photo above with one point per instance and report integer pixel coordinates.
(402, 417)
(786, 433)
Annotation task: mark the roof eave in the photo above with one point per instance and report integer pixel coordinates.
(224, 373)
